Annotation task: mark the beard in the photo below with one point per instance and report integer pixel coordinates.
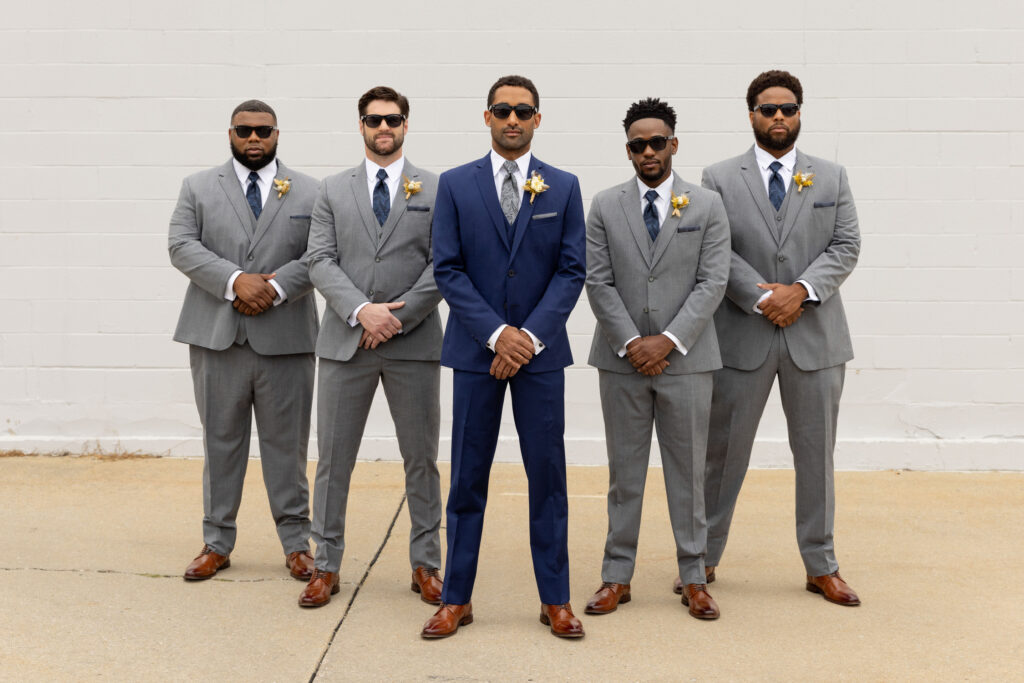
(254, 164)
(381, 148)
(512, 144)
(655, 176)
(777, 144)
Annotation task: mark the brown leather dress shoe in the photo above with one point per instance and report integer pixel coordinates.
(562, 621)
(301, 565)
(321, 586)
(206, 564)
(709, 576)
(447, 620)
(834, 589)
(608, 598)
(427, 582)
(700, 602)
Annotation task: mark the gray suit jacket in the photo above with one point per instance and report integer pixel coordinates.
(349, 266)
(213, 233)
(819, 243)
(675, 287)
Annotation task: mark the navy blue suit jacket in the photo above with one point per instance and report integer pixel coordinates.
(532, 282)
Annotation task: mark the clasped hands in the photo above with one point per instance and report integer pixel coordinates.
(253, 293)
(647, 354)
(512, 350)
(784, 305)
(379, 323)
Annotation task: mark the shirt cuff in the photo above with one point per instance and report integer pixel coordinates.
(492, 340)
(757, 306)
(538, 345)
(353, 319)
(281, 296)
(811, 295)
(675, 340)
(229, 293)
(622, 351)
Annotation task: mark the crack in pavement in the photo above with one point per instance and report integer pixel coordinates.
(366, 574)
(145, 575)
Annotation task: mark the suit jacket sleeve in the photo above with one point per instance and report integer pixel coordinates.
(188, 254)
(742, 289)
(552, 311)
(712, 278)
(829, 270)
(337, 288)
(464, 300)
(293, 277)
(420, 299)
(608, 307)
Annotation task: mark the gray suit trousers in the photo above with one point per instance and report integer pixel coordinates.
(231, 385)
(811, 404)
(678, 407)
(344, 395)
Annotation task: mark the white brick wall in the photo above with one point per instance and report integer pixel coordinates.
(104, 107)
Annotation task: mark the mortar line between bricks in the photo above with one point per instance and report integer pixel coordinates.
(366, 574)
(145, 575)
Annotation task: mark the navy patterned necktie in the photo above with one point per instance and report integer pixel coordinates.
(651, 215)
(776, 188)
(381, 198)
(252, 194)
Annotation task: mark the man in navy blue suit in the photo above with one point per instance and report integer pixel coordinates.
(509, 245)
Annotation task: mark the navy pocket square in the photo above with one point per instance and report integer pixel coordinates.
(822, 205)
(688, 228)
(301, 217)
(541, 216)
(418, 208)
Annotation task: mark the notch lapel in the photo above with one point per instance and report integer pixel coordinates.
(489, 197)
(669, 225)
(751, 175)
(271, 207)
(630, 202)
(229, 183)
(796, 199)
(357, 185)
(525, 207)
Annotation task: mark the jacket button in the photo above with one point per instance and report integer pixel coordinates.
(778, 218)
(377, 259)
(781, 258)
(645, 309)
(650, 279)
(511, 273)
(371, 292)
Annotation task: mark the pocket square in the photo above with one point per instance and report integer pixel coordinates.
(688, 228)
(539, 216)
(822, 205)
(418, 208)
(302, 217)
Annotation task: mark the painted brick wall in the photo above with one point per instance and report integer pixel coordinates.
(104, 107)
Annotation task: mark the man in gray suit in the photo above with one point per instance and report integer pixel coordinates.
(239, 233)
(657, 265)
(795, 240)
(370, 257)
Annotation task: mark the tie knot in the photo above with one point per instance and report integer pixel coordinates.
(382, 174)
(254, 177)
(774, 167)
(651, 195)
(510, 167)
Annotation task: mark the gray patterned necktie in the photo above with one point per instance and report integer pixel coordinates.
(509, 196)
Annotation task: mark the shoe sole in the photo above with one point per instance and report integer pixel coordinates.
(209, 576)
(547, 622)
(464, 621)
(622, 601)
(415, 588)
(334, 591)
(811, 588)
(710, 578)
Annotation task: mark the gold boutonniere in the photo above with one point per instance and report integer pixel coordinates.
(411, 187)
(535, 185)
(679, 202)
(282, 186)
(803, 180)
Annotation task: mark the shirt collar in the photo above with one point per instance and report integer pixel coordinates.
(664, 190)
(498, 162)
(764, 159)
(394, 169)
(266, 173)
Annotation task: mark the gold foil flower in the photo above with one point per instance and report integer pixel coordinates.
(679, 202)
(411, 187)
(535, 185)
(803, 180)
(282, 186)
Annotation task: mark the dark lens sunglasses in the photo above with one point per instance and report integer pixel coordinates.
(374, 120)
(261, 131)
(768, 110)
(657, 143)
(502, 111)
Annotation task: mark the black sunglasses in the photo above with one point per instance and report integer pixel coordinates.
(261, 131)
(768, 110)
(374, 120)
(502, 111)
(657, 143)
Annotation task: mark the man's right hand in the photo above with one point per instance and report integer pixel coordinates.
(255, 291)
(379, 322)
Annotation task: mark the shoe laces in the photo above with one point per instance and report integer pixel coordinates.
(318, 574)
(432, 572)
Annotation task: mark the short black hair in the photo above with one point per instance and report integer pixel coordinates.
(383, 92)
(257, 106)
(516, 82)
(650, 108)
(774, 79)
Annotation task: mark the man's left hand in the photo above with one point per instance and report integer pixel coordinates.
(783, 306)
(648, 351)
(501, 368)
(244, 308)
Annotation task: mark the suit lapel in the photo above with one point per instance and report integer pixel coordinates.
(755, 183)
(489, 197)
(358, 186)
(797, 199)
(272, 206)
(398, 206)
(668, 227)
(630, 202)
(525, 207)
(229, 183)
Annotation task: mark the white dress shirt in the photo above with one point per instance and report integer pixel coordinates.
(498, 169)
(265, 184)
(788, 160)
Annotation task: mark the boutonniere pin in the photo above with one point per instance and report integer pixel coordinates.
(411, 187)
(803, 180)
(679, 202)
(282, 186)
(535, 185)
